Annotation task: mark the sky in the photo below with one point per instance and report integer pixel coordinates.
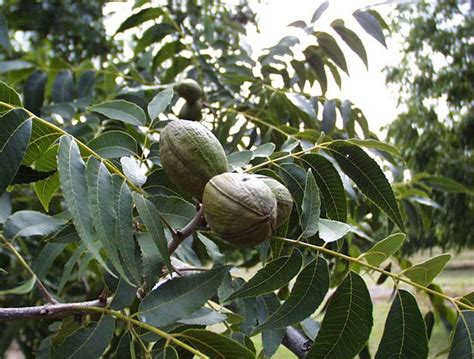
(364, 87)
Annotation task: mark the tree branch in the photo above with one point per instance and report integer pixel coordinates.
(50, 310)
(296, 341)
(187, 230)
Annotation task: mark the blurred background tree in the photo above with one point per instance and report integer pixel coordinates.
(435, 131)
(73, 30)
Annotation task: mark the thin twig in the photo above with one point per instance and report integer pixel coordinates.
(41, 287)
(187, 230)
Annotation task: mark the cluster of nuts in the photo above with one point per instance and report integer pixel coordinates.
(242, 209)
(192, 93)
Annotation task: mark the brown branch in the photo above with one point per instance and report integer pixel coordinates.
(50, 310)
(296, 341)
(187, 230)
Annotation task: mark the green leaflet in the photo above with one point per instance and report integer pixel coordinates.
(274, 275)
(351, 39)
(311, 207)
(347, 323)
(31, 223)
(330, 184)
(215, 345)
(179, 297)
(72, 177)
(100, 191)
(114, 144)
(151, 217)
(462, 344)
(121, 110)
(307, 294)
(368, 176)
(88, 342)
(423, 273)
(271, 338)
(14, 139)
(405, 332)
(126, 244)
(382, 250)
(160, 102)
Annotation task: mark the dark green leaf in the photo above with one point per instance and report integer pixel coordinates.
(330, 184)
(27, 174)
(126, 244)
(160, 102)
(179, 297)
(307, 294)
(332, 50)
(14, 139)
(294, 178)
(329, 116)
(351, 39)
(85, 84)
(204, 316)
(274, 275)
(88, 342)
(271, 338)
(370, 143)
(33, 92)
(139, 18)
(462, 343)
(167, 353)
(72, 177)
(302, 103)
(382, 250)
(215, 345)
(311, 207)
(121, 110)
(151, 259)
(31, 223)
(63, 87)
(154, 34)
(423, 273)
(405, 333)
(314, 58)
(101, 191)
(368, 176)
(176, 211)
(347, 323)
(44, 260)
(114, 144)
(151, 217)
(370, 24)
(4, 39)
(5, 207)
